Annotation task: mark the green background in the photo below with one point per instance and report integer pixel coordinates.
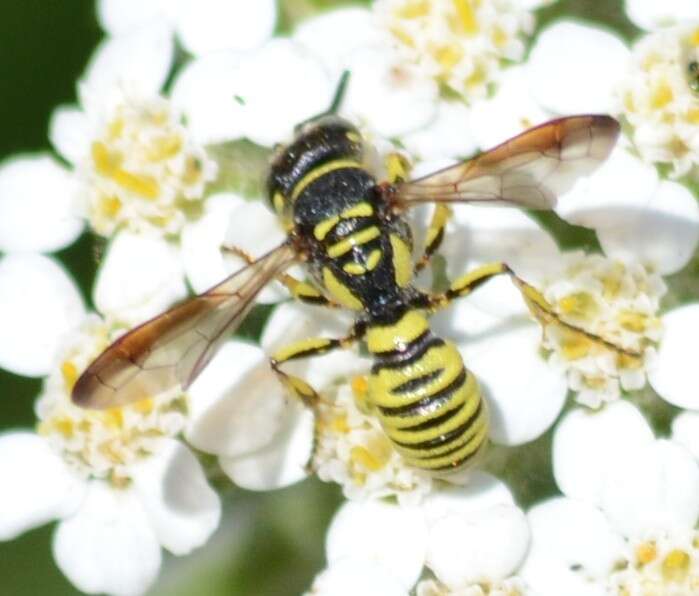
(268, 543)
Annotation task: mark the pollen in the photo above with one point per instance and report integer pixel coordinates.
(580, 305)
(144, 169)
(646, 552)
(460, 43)
(101, 443)
(576, 347)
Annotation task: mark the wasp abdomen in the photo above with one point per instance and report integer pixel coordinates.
(428, 403)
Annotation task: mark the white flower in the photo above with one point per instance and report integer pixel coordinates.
(117, 481)
(201, 27)
(460, 44)
(466, 536)
(631, 503)
(660, 97)
(650, 15)
(139, 167)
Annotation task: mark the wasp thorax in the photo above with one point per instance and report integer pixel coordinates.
(317, 142)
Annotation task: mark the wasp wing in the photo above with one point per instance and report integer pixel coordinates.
(174, 347)
(530, 170)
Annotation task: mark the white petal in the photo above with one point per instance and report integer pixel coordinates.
(575, 68)
(205, 91)
(37, 205)
(483, 547)
(334, 34)
(622, 181)
(392, 98)
(656, 489)
(482, 492)
(663, 233)
(140, 277)
(572, 547)
(137, 63)
(581, 472)
(212, 25)
(518, 415)
(71, 133)
(281, 462)
(393, 536)
(33, 325)
(509, 112)
(254, 228)
(119, 17)
(673, 375)
(448, 135)
(230, 220)
(37, 485)
(237, 403)
(685, 431)
(651, 14)
(182, 507)
(108, 546)
(280, 64)
(355, 575)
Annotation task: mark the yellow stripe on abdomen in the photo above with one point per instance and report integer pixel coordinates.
(428, 404)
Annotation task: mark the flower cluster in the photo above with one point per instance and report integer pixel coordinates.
(594, 402)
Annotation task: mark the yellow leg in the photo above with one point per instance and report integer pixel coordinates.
(300, 290)
(397, 167)
(435, 234)
(296, 386)
(540, 308)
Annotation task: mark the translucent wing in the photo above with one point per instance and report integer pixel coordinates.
(174, 347)
(529, 170)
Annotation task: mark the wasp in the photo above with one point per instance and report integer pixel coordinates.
(351, 232)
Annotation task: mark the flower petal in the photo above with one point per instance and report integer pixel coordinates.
(205, 91)
(37, 485)
(581, 473)
(518, 417)
(32, 325)
(673, 375)
(182, 507)
(281, 462)
(572, 548)
(447, 136)
(212, 25)
(280, 64)
(393, 536)
(354, 575)
(119, 17)
(391, 97)
(38, 210)
(483, 547)
(509, 112)
(71, 132)
(140, 277)
(108, 546)
(481, 492)
(334, 34)
(664, 233)
(656, 489)
(650, 14)
(237, 403)
(685, 431)
(137, 63)
(575, 68)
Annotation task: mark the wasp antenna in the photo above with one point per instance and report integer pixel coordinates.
(334, 105)
(339, 93)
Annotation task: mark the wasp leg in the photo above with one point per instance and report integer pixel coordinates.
(540, 308)
(300, 290)
(397, 167)
(435, 235)
(296, 386)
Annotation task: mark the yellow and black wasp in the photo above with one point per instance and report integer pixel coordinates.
(351, 232)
